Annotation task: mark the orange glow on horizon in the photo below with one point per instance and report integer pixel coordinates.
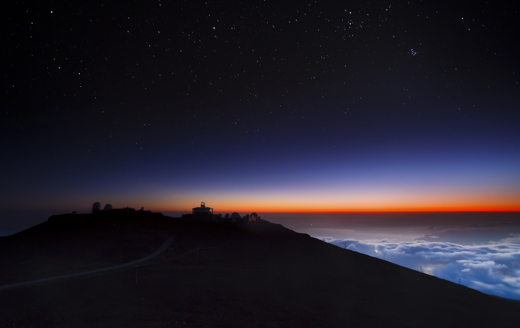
(367, 210)
(363, 206)
(318, 201)
(364, 201)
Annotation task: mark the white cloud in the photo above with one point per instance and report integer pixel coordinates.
(493, 268)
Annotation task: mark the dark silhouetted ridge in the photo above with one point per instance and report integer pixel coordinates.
(219, 274)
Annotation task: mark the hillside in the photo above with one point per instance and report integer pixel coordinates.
(219, 275)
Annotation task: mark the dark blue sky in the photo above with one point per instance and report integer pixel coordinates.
(273, 105)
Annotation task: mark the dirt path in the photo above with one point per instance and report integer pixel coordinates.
(161, 249)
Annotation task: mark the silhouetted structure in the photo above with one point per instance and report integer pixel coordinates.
(96, 207)
(202, 210)
(254, 217)
(202, 213)
(108, 207)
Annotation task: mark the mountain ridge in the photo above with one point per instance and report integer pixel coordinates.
(220, 274)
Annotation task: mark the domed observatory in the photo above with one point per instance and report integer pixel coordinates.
(96, 207)
(235, 215)
(108, 207)
(253, 217)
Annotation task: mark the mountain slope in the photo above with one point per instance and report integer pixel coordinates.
(222, 275)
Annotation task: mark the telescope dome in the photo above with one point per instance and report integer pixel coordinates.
(96, 207)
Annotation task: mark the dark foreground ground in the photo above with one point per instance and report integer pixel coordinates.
(220, 275)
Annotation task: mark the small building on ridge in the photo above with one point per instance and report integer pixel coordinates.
(201, 213)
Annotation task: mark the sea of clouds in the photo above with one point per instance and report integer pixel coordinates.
(493, 268)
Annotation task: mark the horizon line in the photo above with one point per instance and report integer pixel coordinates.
(369, 211)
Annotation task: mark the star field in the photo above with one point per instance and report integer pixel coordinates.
(174, 95)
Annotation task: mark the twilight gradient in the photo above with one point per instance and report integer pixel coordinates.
(285, 107)
(328, 181)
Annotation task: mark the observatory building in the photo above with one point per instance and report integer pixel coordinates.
(254, 217)
(204, 213)
(202, 210)
(96, 207)
(201, 213)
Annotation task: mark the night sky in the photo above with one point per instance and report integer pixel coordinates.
(272, 107)
(261, 105)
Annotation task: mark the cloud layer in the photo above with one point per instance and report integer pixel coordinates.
(492, 268)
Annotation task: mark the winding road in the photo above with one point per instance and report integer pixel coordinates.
(161, 249)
